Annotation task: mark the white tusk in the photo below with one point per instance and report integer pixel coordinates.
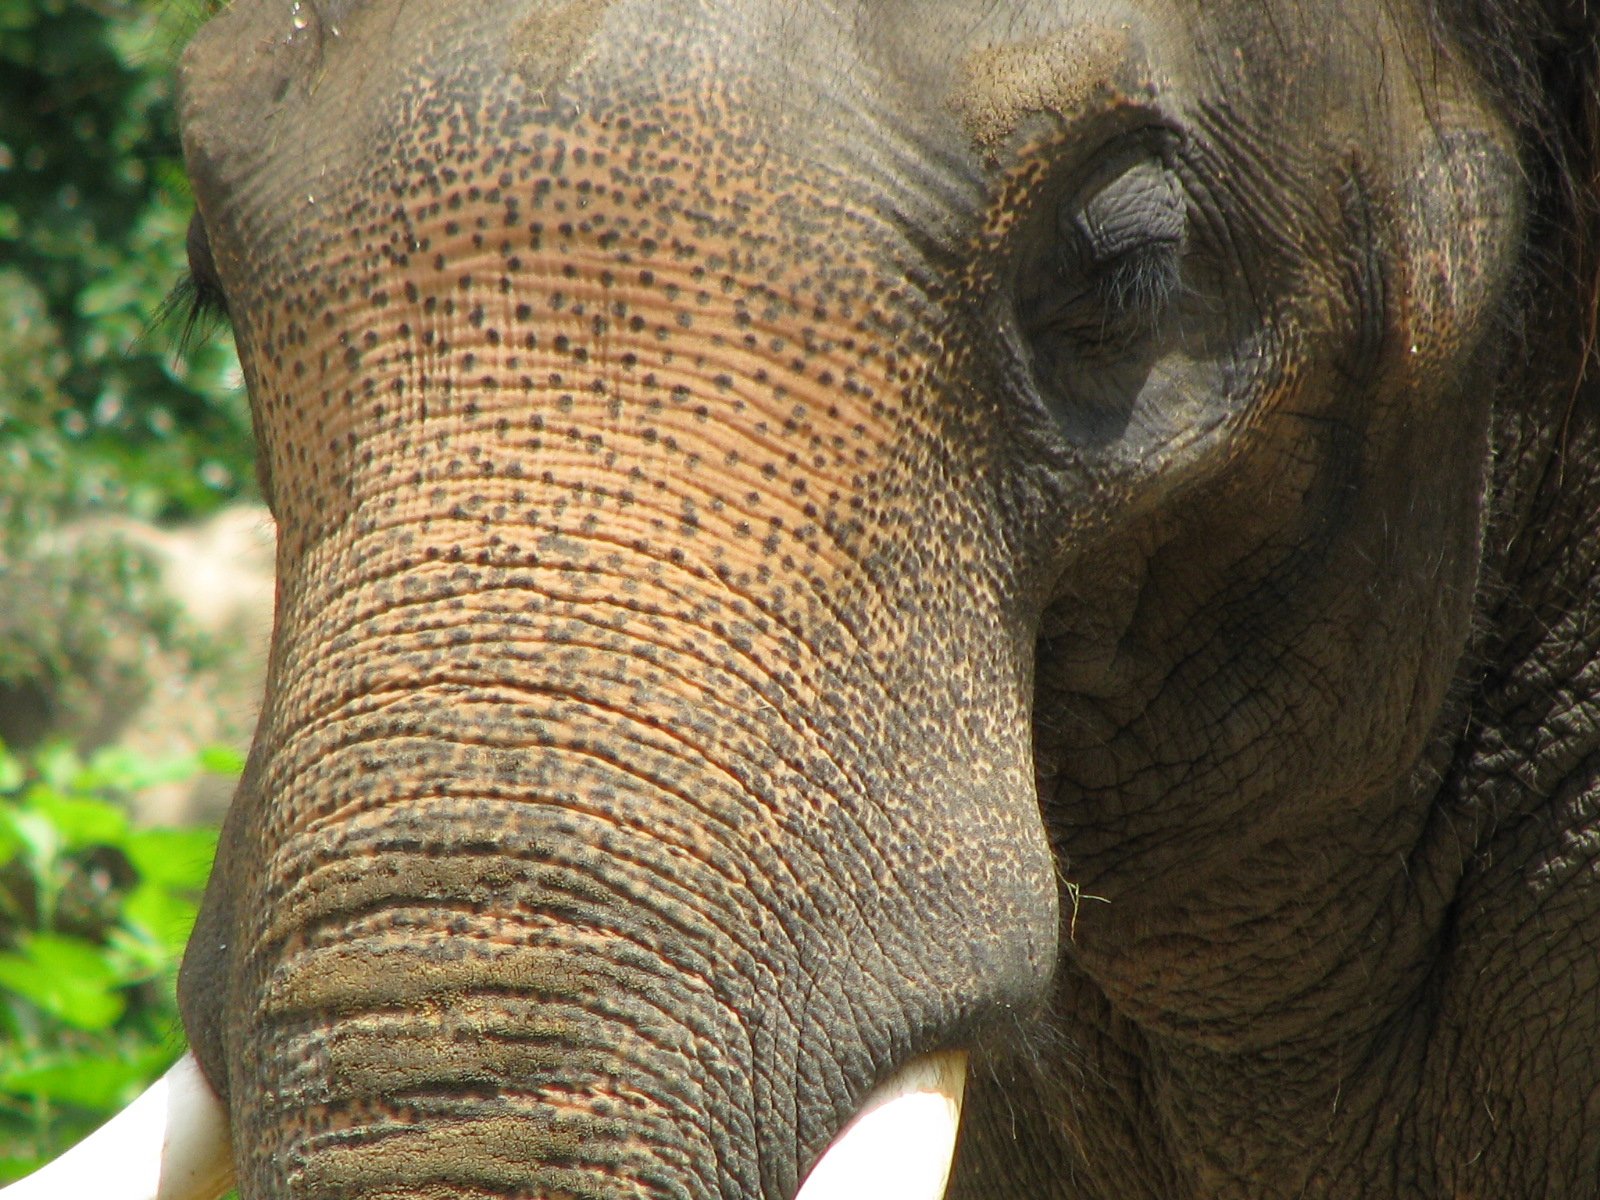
(899, 1146)
(169, 1144)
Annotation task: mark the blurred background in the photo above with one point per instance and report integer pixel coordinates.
(135, 565)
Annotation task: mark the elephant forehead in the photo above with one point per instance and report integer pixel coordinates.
(273, 88)
(461, 175)
(469, 322)
(607, 291)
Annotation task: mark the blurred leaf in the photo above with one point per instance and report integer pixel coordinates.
(222, 760)
(79, 821)
(33, 830)
(122, 769)
(57, 765)
(165, 919)
(65, 977)
(174, 858)
(100, 1083)
(11, 773)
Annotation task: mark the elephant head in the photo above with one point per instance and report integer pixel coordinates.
(820, 542)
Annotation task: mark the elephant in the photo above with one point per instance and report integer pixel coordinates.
(852, 570)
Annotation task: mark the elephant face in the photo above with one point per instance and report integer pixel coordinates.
(814, 535)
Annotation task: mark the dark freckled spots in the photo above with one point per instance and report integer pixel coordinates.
(702, 387)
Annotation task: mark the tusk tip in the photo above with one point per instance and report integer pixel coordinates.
(901, 1143)
(169, 1144)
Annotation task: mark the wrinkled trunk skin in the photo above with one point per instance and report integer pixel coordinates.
(608, 783)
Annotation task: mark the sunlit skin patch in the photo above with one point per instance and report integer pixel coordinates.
(1079, 70)
(614, 505)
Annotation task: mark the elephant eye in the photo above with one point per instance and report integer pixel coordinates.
(1129, 241)
(1118, 256)
(1101, 290)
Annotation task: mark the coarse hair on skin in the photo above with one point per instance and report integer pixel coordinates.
(1541, 60)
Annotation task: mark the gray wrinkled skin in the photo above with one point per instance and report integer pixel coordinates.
(815, 533)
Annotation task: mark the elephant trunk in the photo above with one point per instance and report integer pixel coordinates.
(172, 1144)
(569, 868)
(646, 774)
(497, 952)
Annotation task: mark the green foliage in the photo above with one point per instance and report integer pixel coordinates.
(93, 918)
(101, 407)
(96, 407)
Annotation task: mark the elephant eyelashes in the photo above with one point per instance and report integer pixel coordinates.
(1119, 252)
(197, 299)
(1097, 291)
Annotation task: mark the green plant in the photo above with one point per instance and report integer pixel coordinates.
(97, 407)
(93, 917)
(103, 408)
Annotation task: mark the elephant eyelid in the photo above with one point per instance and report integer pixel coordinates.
(1122, 243)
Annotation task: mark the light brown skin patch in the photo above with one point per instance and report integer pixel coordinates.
(1058, 77)
(548, 44)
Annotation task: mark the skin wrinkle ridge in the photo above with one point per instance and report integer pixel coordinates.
(672, 917)
(641, 608)
(567, 806)
(718, 664)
